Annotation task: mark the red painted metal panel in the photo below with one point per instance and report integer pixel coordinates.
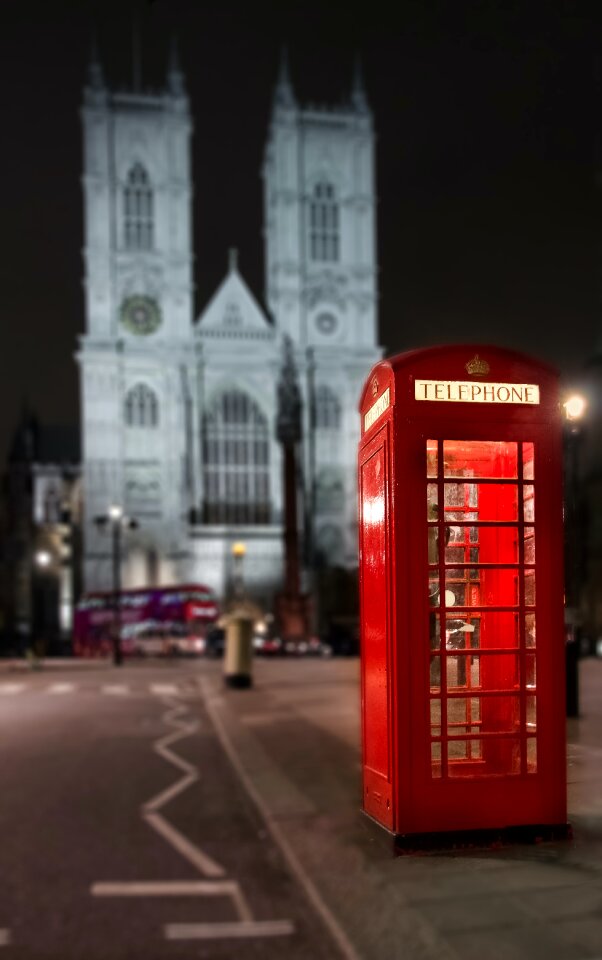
(375, 640)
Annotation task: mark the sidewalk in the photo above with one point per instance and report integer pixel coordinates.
(295, 739)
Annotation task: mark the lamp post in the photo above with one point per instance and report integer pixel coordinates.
(238, 552)
(43, 610)
(116, 521)
(574, 408)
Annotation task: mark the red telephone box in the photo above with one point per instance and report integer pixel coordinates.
(461, 591)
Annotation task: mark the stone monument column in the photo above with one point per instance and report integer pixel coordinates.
(292, 608)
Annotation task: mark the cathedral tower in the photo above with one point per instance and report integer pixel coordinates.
(320, 259)
(136, 355)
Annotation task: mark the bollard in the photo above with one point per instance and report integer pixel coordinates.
(238, 653)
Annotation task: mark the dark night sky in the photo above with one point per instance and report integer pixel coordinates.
(485, 115)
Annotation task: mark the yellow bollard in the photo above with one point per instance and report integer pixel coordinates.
(238, 654)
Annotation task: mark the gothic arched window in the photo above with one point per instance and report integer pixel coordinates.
(236, 461)
(328, 409)
(141, 407)
(138, 210)
(324, 224)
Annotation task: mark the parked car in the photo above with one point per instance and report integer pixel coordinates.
(267, 646)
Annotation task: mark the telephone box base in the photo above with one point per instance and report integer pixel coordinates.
(403, 844)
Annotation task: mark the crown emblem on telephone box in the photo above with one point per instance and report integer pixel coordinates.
(477, 367)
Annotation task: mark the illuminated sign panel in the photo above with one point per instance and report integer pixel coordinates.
(377, 409)
(467, 391)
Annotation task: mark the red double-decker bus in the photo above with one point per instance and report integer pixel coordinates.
(152, 621)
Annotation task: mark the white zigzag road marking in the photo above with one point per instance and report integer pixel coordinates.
(185, 847)
(245, 926)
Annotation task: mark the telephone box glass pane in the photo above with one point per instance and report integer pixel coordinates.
(528, 461)
(475, 544)
(531, 715)
(529, 543)
(435, 674)
(462, 632)
(482, 671)
(528, 503)
(481, 584)
(495, 630)
(461, 672)
(435, 631)
(432, 452)
(529, 587)
(491, 502)
(531, 755)
(530, 676)
(464, 750)
(436, 717)
(463, 712)
(487, 758)
(530, 630)
(480, 458)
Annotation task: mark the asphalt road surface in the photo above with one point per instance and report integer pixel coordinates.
(126, 832)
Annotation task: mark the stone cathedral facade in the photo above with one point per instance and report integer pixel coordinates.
(179, 408)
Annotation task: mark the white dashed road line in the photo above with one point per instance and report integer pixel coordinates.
(166, 888)
(221, 931)
(108, 689)
(61, 688)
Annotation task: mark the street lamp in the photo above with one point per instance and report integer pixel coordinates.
(116, 521)
(43, 602)
(239, 550)
(574, 407)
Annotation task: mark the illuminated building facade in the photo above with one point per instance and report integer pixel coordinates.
(178, 409)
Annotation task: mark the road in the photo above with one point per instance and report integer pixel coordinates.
(126, 832)
(151, 812)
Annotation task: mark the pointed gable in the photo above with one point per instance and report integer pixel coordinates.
(233, 311)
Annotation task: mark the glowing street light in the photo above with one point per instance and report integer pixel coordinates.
(43, 558)
(239, 550)
(574, 407)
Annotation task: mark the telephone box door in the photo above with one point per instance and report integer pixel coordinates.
(482, 493)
